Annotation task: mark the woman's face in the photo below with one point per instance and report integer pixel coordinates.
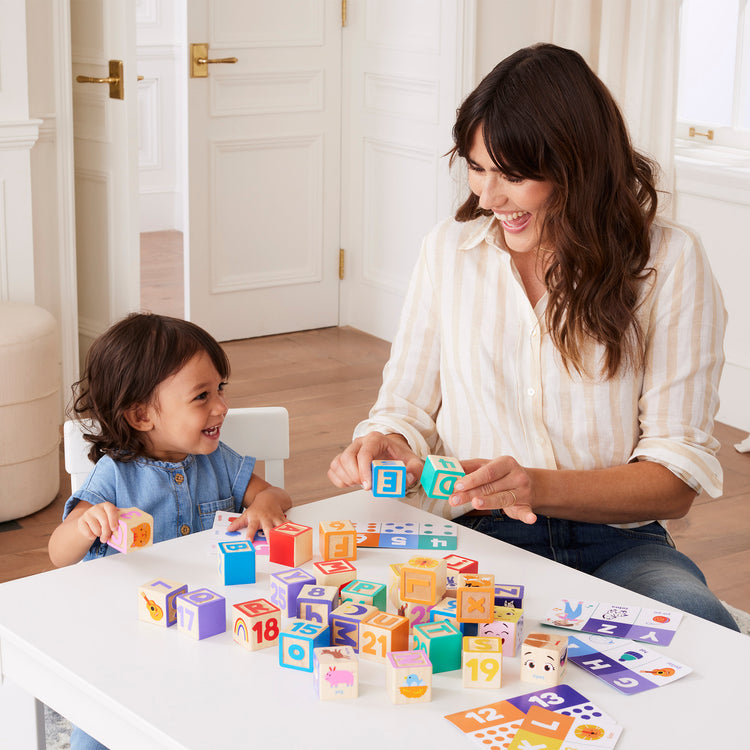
(519, 205)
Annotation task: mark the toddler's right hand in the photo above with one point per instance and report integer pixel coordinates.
(101, 520)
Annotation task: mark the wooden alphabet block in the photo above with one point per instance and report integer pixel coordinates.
(236, 562)
(475, 598)
(509, 595)
(315, 603)
(388, 478)
(442, 643)
(408, 677)
(439, 475)
(423, 580)
(298, 641)
(482, 662)
(394, 584)
(256, 624)
(507, 624)
(336, 673)
(544, 658)
(461, 564)
(381, 632)
(345, 623)
(416, 614)
(334, 573)
(365, 592)
(337, 540)
(135, 529)
(201, 613)
(446, 609)
(156, 601)
(291, 544)
(285, 588)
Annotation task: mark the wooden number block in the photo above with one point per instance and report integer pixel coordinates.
(290, 544)
(236, 562)
(509, 595)
(423, 580)
(156, 601)
(544, 658)
(285, 588)
(315, 603)
(442, 643)
(439, 475)
(388, 478)
(408, 677)
(334, 573)
(394, 584)
(336, 673)
(381, 632)
(475, 598)
(416, 614)
(365, 592)
(201, 613)
(298, 641)
(345, 622)
(482, 662)
(506, 625)
(135, 530)
(337, 540)
(256, 624)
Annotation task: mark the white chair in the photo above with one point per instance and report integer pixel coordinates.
(261, 431)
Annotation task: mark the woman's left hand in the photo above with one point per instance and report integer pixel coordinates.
(496, 483)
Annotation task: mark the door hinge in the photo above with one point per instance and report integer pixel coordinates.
(341, 263)
(343, 13)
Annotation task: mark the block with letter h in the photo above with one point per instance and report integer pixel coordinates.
(135, 529)
(507, 624)
(334, 573)
(408, 677)
(423, 580)
(298, 641)
(475, 597)
(315, 603)
(381, 632)
(442, 643)
(285, 588)
(439, 475)
(337, 540)
(388, 478)
(156, 601)
(345, 623)
(544, 658)
(290, 544)
(482, 662)
(236, 562)
(201, 613)
(336, 673)
(365, 592)
(256, 624)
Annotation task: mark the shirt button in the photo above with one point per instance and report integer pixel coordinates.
(531, 391)
(184, 529)
(179, 478)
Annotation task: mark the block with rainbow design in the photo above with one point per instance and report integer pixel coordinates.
(256, 624)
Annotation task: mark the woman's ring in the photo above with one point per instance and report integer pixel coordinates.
(513, 494)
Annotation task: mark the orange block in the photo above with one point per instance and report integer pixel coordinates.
(337, 540)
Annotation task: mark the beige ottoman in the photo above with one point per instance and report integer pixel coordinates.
(29, 409)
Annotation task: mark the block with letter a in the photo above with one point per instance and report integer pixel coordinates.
(290, 544)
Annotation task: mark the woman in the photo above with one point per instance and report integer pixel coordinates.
(559, 340)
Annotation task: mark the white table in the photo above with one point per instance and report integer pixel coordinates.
(71, 638)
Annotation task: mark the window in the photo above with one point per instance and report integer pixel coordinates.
(713, 95)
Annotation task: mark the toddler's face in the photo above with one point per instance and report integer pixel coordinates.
(188, 411)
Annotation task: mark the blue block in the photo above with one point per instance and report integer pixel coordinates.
(388, 478)
(236, 562)
(298, 641)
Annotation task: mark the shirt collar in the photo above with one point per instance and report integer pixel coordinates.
(485, 229)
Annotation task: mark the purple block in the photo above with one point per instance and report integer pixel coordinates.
(285, 588)
(201, 613)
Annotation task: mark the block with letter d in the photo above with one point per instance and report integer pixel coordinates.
(290, 544)
(388, 478)
(256, 624)
(315, 603)
(236, 562)
(408, 677)
(337, 540)
(442, 643)
(135, 529)
(439, 475)
(297, 643)
(285, 588)
(336, 673)
(423, 580)
(482, 662)
(201, 613)
(156, 601)
(381, 632)
(366, 592)
(345, 622)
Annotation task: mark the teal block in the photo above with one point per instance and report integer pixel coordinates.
(439, 475)
(442, 642)
(236, 562)
(366, 592)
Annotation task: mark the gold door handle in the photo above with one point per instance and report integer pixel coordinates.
(114, 79)
(199, 60)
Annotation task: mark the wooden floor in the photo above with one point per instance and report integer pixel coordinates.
(328, 379)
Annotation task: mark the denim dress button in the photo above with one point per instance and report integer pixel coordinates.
(184, 529)
(179, 478)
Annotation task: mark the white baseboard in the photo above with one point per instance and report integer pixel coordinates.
(160, 210)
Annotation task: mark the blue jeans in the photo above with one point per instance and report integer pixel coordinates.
(642, 560)
(79, 740)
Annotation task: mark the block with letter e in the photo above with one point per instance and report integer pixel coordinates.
(423, 580)
(381, 632)
(236, 562)
(337, 540)
(135, 529)
(439, 475)
(256, 624)
(156, 601)
(482, 662)
(441, 641)
(201, 613)
(336, 672)
(285, 588)
(408, 677)
(290, 544)
(388, 478)
(297, 642)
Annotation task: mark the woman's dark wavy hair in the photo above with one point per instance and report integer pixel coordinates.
(123, 368)
(546, 116)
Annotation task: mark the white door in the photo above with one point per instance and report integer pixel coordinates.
(106, 166)
(402, 83)
(263, 165)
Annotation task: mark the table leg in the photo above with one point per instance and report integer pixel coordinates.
(21, 718)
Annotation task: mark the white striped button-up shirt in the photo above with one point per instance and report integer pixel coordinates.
(473, 372)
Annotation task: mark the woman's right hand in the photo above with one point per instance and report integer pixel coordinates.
(353, 466)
